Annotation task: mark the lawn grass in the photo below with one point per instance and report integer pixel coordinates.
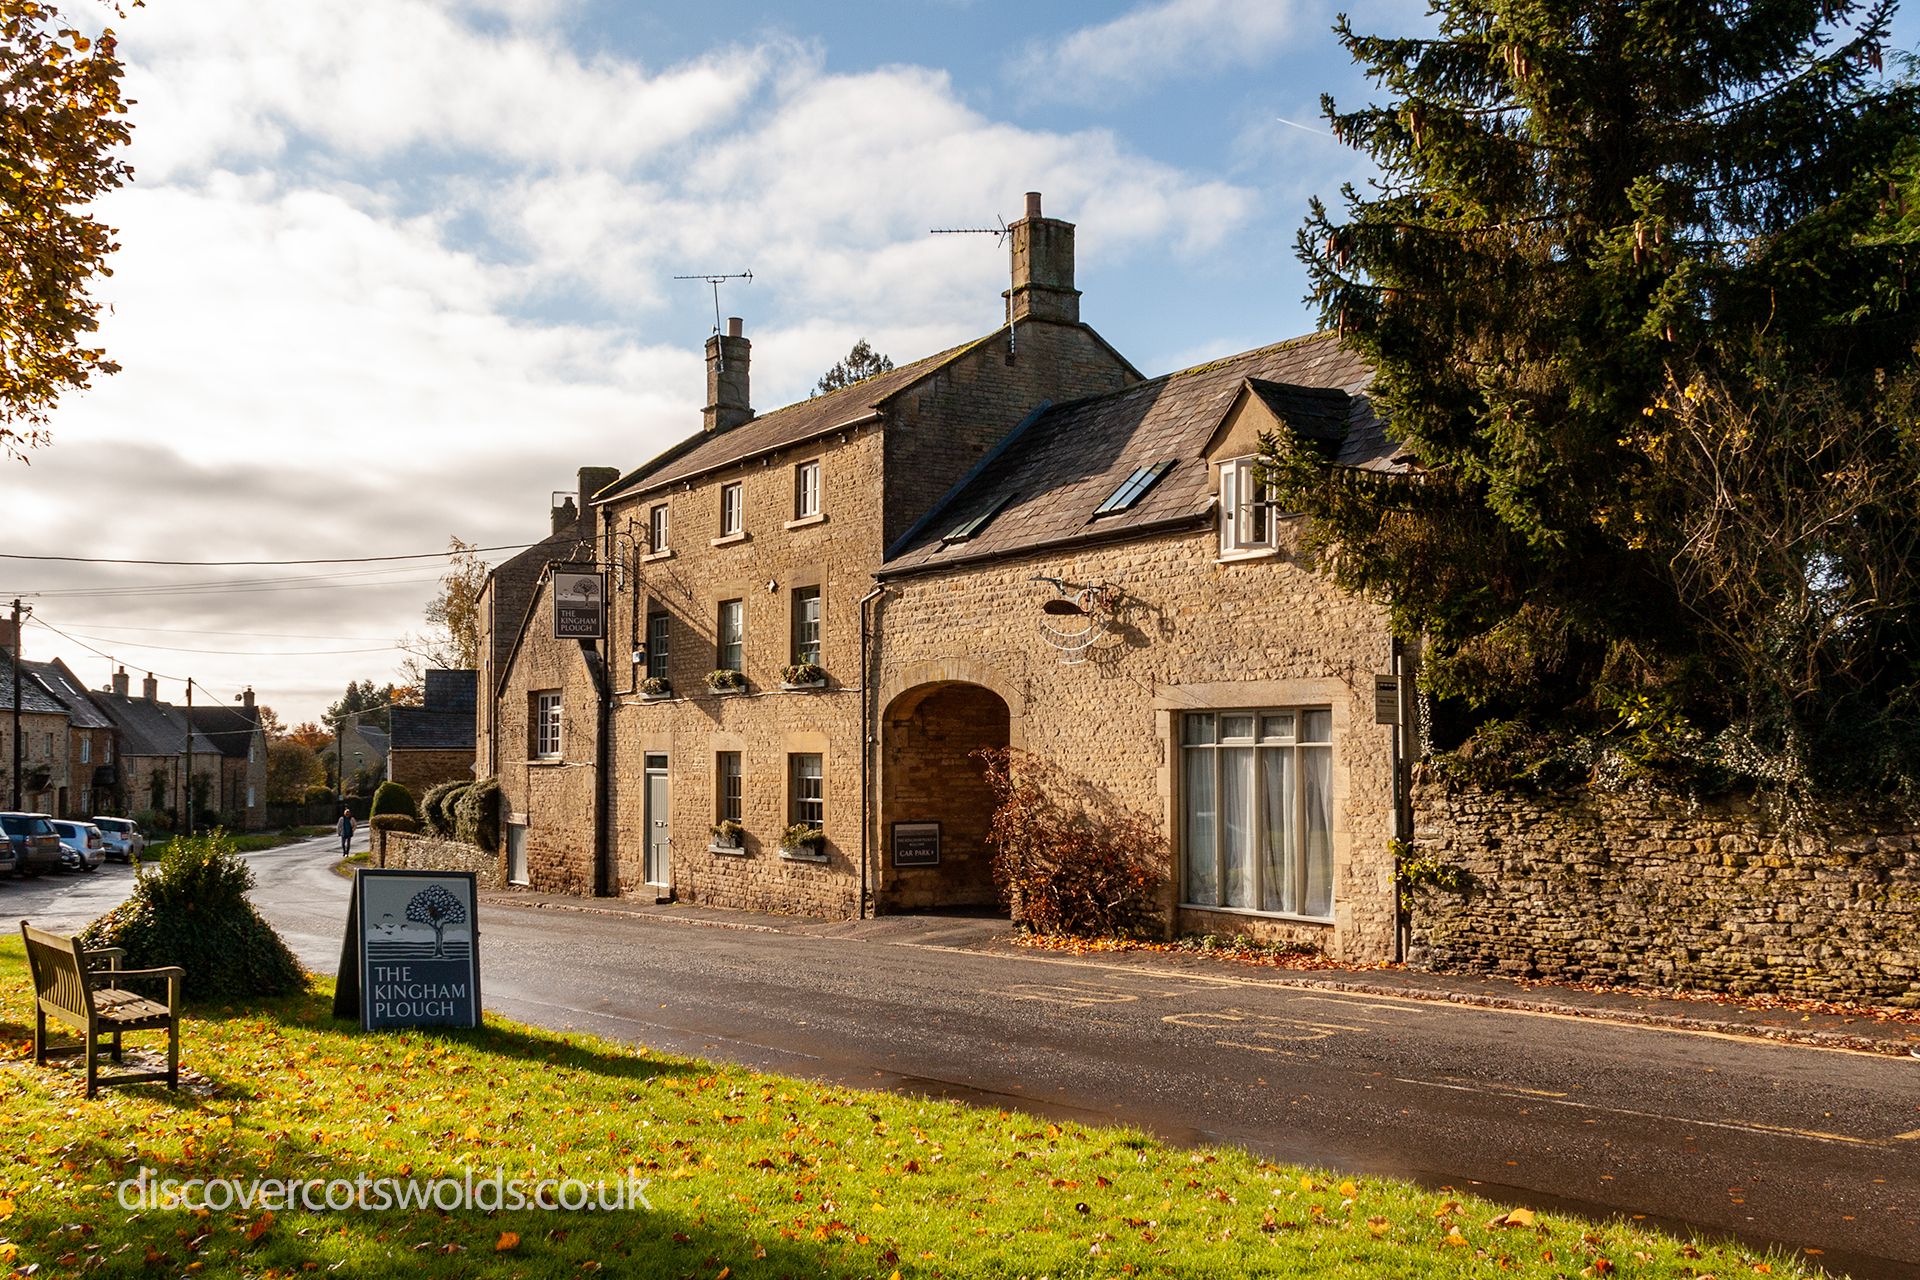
(244, 842)
(751, 1175)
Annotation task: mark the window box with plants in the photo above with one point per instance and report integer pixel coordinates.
(725, 680)
(804, 675)
(655, 689)
(729, 838)
(803, 842)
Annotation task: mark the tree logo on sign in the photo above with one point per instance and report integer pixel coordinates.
(436, 908)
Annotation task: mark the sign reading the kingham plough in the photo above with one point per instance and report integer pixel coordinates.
(412, 954)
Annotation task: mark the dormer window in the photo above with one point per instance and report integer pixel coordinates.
(1246, 510)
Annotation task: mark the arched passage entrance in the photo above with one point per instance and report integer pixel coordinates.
(933, 793)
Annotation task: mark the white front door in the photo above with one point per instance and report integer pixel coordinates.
(659, 826)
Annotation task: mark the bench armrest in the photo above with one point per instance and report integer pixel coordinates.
(170, 971)
(111, 955)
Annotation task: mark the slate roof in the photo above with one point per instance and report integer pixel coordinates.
(33, 696)
(710, 450)
(150, 728)
(1047, 479)
(421, 729)
(230, 728)
(70, 690)
(451, 690)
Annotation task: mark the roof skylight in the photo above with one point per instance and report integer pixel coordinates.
(1133, 488)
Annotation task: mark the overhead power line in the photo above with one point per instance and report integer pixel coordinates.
(237, 564)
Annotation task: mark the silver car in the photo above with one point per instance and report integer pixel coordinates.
(82, 847)
(124, 838)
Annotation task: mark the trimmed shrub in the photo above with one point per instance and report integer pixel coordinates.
(1067, 857)
(477, 816)
(190, 909)
(393, 797)
(152, 820)
(317, 794)
(403, 822)
(436, 807)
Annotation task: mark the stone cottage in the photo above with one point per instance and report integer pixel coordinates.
(818, 615)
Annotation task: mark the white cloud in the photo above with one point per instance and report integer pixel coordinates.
(1168, 40)
(394, 271)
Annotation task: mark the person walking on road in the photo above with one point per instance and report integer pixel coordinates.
(345, 828)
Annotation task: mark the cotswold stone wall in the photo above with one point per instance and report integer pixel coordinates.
(1649, 890)
(426, 853)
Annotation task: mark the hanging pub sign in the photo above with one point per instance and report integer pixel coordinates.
(411, 956)
(579, 605)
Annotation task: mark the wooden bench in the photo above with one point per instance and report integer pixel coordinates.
(81, 988)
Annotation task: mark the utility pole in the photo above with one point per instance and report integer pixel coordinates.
(189, 756)
(14, 659)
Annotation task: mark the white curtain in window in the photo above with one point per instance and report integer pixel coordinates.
(1203, 876)
(1279, 886)
(1316, 768)
(1236, 811)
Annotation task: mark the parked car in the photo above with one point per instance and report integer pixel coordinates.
(125, 840)
(36, 846)
(82, 846)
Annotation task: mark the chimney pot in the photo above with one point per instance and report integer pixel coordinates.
(1042, 269)
(246, 698)
(120, 682)
(735, 327)
(150, 688)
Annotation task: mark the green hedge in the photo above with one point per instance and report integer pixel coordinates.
(191, 909)
(477, 816)
(437, 806)
(393, 797)
(396, 822)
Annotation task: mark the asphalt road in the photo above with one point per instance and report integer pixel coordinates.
(1802, 1147)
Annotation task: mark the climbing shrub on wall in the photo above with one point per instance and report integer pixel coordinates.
(1067, 857)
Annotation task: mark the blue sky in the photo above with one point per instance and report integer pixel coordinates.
(391, 272)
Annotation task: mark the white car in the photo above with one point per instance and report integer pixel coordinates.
(82, 847)
(124, 838)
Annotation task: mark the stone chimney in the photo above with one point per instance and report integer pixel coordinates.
(9, 636)
(246, 698)
(150, 688)
(728, 357)
(120, 682)
(1042, 268)
(565, 515)
(592, 480)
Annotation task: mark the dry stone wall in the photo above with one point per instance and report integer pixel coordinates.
(425, 853)
(1648, 890)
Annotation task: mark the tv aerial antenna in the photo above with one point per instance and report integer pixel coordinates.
(999, 233)
(716, 280)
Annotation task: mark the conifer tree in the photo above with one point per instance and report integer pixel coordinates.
(1583, 209)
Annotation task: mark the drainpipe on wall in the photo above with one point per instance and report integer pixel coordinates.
(868, 635)
(605, 883)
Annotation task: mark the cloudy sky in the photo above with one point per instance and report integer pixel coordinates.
(391, 272)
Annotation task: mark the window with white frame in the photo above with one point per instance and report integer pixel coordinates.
(659, 630)
(1246, 509)
(806, 624)
(728, 788)
(732, 509)
(1257, 810)
(86, 749)
(546, 725)
(657, 528)
(806, 490)
(806, 789)
(250, 794)
(730, 638)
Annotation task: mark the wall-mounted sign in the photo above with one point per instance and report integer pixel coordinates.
(1386, 699)
(412, 954)
(916, 844)
(579, 605)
